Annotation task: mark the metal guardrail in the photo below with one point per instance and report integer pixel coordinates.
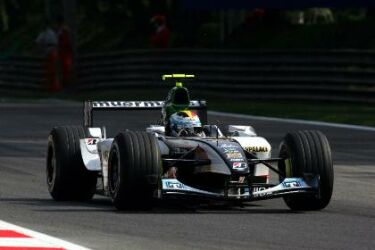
(341, 75)
(21, 74)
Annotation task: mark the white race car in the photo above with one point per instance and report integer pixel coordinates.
(135, 167)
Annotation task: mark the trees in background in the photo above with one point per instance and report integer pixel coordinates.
(104, 25)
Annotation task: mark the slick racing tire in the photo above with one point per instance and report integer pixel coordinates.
(67, 177)
(307, 152)
(134, 167)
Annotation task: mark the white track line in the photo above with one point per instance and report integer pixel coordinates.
(36, 239)
(26, 242)
(295, 121)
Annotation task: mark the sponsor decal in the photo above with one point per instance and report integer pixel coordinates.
(236, 165)
(233, 155)
(174, 185)
(262, 194)
(237, 160)
(91, 141)
(239, 165)
(257, 189)
(228, 146)
(231, 151)
(256, 149)
(135, 104)
(124, 104)
(291, 184)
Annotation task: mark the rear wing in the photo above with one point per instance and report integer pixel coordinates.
(90, 106)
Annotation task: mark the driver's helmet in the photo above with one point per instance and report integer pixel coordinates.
(185, 123)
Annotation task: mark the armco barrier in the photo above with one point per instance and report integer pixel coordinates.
(21, 74)
(322, 75)
(342, 75)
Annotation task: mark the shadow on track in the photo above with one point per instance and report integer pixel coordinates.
(160, 207)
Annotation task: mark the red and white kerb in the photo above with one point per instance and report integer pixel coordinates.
(13, 237)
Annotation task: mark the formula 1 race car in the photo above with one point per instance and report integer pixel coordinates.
(135, 167)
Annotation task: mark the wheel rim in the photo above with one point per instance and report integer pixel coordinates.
(114, 173)
(287, 167)
(51, 168)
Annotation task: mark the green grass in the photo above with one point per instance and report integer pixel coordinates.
(338, 112)
(349, 113)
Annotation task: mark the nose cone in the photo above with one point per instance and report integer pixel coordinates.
(234, 156)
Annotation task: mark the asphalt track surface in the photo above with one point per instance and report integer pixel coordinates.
(347, 223)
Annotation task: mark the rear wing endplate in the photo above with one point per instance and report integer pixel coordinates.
(90, 106)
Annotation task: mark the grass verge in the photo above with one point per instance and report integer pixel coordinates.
(348, 113)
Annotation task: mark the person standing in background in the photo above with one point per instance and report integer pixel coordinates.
(65, 50)
(160, 35)
(47, 41)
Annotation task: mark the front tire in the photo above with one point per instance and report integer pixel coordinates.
(308, 152)
(134, 168)
(67, 177)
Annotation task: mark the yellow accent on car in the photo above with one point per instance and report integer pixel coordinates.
(176, 76)
(288, 168)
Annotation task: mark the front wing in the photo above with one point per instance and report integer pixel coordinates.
(289, 186)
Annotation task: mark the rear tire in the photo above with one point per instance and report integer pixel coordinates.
(134, 168)
(67, 177)
(308, 152)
